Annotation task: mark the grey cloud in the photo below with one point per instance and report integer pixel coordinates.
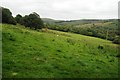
(65, 9)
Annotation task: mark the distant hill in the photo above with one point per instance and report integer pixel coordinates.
(50, 21)
(77, 22)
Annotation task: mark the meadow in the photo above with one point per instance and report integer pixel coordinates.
(54, 54)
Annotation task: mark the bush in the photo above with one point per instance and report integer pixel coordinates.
(116, 40)
(71, 41)
(118, 55)
(100, 47)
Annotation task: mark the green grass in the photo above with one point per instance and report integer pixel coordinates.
(54, 54)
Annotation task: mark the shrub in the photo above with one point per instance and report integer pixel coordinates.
(100, 47)
(71, 41)
(59, 51)
(118, 55)
(116, 40)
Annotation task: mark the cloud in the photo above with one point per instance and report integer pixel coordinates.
(65, 9)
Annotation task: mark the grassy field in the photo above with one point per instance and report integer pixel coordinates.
(54, 54)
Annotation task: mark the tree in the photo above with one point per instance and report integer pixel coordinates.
(7, 16)
(33, 21)
(19, 19)
(26, 21)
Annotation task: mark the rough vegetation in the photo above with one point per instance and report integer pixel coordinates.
(53, 54)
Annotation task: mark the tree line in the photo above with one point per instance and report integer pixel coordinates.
(108, 32)
(33, 20)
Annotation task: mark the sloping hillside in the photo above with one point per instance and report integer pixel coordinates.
(54, 54)
(105, 29)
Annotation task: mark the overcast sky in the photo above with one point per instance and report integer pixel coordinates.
(65, 9)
